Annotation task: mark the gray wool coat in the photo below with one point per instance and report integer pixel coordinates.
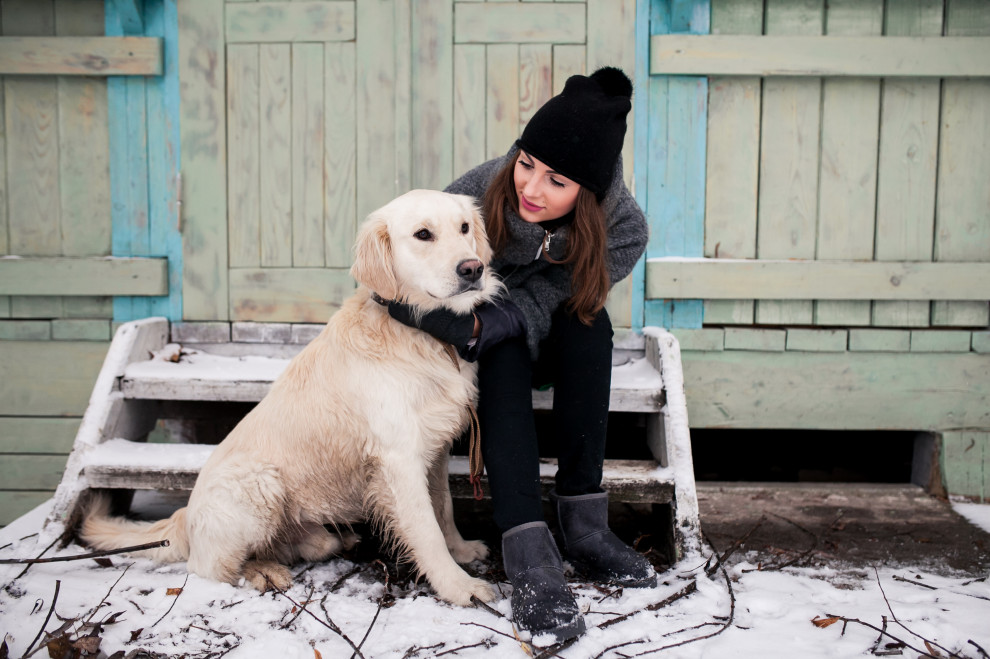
(537, 286)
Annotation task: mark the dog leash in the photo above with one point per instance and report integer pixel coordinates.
(476, 463)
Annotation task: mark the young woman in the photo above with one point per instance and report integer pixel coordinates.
(564, 229)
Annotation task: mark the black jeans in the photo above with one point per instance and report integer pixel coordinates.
(577, 360)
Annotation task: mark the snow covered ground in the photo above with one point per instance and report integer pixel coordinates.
(134, 608)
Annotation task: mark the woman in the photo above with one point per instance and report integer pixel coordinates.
(564, 229)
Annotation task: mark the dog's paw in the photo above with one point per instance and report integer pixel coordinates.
(349, 539)
(264, 575)
(466, 551)
(460, 591)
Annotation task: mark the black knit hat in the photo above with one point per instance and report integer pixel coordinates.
(579, 132)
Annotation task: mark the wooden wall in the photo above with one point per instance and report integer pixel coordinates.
(312, 114)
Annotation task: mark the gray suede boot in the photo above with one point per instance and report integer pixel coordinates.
(541, 601)
(593, 548)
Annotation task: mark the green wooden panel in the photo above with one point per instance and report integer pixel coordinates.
(981, 341)
(502, 121)
(470, 105)
(81, 329)
(275, 186)
(243, 156)
(879, 340)
(815, 56)
(962, 211)
(297, 21)
(706, 339)
(940, 341)
(80, 56)
(203, 144)
(746, 338)
(432, 113)
(37, 435)
(31, 472)
(540, 22)
(340, 154)
(308, 246)
(823, 280)
(15, 504)
(733, 159)
(965, 458)
(848, 162)
(837, 391)
(817, 340)
(789, 145)
(297, 295)
(25, 330)
(83, 276)
(908, 155)
(48, 378)
(4, 247)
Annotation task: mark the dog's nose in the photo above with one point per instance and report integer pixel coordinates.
(470, 269)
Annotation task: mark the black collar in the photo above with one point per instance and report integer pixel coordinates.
(379, 299)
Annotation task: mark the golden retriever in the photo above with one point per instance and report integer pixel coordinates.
(358, 426)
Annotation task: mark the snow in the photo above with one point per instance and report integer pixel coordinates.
(772, 611)
(196, 365)
(977, 514)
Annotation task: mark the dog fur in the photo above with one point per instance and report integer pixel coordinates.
(358, 426)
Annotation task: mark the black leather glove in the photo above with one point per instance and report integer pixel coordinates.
(500, 319)
(453, 328)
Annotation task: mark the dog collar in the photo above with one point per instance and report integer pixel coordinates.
(379, 299)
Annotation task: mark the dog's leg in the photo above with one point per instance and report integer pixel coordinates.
(404, 492)
(463, 551)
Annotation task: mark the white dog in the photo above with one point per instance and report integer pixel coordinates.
(357, 427)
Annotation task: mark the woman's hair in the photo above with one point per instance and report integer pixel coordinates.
(586, 254)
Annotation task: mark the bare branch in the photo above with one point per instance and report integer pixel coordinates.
(51, 609)
(77, 557)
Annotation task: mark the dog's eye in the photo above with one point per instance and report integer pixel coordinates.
(465, 228)
(423, 234)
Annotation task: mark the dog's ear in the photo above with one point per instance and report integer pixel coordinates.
(481, 235)
(373, 258)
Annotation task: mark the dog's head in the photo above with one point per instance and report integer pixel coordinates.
(428, 249)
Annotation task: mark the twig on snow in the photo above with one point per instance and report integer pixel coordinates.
(882, 632)
(28, 566)
(901, 625)
(495, 612)
(800, 557)
(381, 603)
(51, 610)
(463, 647)
(300, 609)
(77, 557)
(912, 581)
(977, 646)
(720, 560)
(328, 623)
(173, 601)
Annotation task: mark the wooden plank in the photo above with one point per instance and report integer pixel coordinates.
(25, 330)
(790, 135)
(275, 139)
(203, 145)
(470, 104)
(817, 340)
(906, 173)
(879, 340)
(376, 113)
(37, 434)
(981, 341)
(569, 60)
(31, 472)
(965, 462)
(503, 123)
(938, 57)
(710, 339)
(30, 368)
(13, 504)
(732, 163)
(270, 22)
(678, 141)
(847, 175)
(535, 79)
(339, 154)
(751, 338)
(243, 156)
(962, 211)
(307, 155)
(516, 23)
(432, 113)
(4, 224)
(837, 391)
(824, 280)
(298, 295)
(81, 329)
(930, 340)
(83, 276)
(81, 56)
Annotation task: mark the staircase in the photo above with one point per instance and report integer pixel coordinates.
(203, 391)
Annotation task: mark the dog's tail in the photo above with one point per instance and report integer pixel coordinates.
(101, 531)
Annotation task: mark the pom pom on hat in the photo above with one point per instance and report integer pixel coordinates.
(579, 132)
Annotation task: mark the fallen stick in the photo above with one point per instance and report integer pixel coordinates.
(51, 609)
(77, 557)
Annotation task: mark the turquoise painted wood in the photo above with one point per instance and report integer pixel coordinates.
(677, 108)
(144, 163)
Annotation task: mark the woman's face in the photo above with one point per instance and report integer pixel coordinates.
(543, 194)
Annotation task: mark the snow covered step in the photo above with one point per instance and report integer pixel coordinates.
(123, 464)
(180, 374)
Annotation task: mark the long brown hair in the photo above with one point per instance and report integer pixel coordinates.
(586, 253)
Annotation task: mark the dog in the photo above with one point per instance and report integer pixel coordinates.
(358, 426)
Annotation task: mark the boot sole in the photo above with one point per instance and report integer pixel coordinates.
(596, 575)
